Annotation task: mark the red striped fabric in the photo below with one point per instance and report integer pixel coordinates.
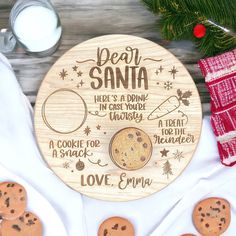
(222, 91)
(222, 62)
(224, 121)
(227, 152)
(220, 77)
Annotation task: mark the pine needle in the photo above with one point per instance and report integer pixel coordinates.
(179, 17)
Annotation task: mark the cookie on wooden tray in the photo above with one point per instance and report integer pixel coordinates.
(26, 225)
(212, 216)
(116, 226)
(13, 200)
(130, 148)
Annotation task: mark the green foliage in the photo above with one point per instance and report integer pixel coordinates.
(180, 16)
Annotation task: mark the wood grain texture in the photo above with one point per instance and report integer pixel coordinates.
(82, 20)
(118, 117)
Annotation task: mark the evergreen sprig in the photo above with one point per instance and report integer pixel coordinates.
(179, 17)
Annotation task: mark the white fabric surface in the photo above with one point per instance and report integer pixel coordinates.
(167, 213)
(35, 203)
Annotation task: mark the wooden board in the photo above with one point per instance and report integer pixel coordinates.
(118, 118)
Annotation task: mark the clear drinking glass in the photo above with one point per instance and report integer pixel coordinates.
(35, 26)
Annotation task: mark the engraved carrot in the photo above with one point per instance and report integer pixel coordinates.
(166, 107)
(170, 104)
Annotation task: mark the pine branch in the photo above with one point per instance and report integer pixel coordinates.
(176, 26)
(221, 11)
(180, 16)
(215, 41)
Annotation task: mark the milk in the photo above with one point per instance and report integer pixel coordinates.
(37, 28)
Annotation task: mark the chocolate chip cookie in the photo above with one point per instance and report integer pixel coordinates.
(130, 148)
(187, 235)
(26, 225)
(212, 216)
(116, 226)
(13, 200)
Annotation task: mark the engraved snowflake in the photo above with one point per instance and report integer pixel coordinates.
(178, 155)
(87, 130)
(168, 85)
(63, 74)
(66, 165)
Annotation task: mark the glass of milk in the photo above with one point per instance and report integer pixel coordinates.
(35, 26)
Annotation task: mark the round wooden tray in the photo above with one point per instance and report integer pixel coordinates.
(96, 101)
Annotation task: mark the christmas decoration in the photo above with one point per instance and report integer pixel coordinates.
(167, 169)
(209, 23)
(80, 165)
(220, 77)
(199, 31)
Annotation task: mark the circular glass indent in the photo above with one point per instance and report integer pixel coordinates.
(64, 111)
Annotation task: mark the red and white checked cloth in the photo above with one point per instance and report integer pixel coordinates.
(220, 77)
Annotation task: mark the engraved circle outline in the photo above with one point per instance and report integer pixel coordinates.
(44, 115)
(110, 148)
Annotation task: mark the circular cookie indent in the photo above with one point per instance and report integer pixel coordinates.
(130, 148)
(212, 216)
(116, 226)
(64, 111)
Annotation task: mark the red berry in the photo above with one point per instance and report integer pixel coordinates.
(199, 31)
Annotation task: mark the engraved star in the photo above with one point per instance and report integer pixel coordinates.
(173, 72)
(98, 127)
(161, 69)
(164, 152)
(75, 68)
(79, 73)
(81, 83)
(63, 74)
(87, 130)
